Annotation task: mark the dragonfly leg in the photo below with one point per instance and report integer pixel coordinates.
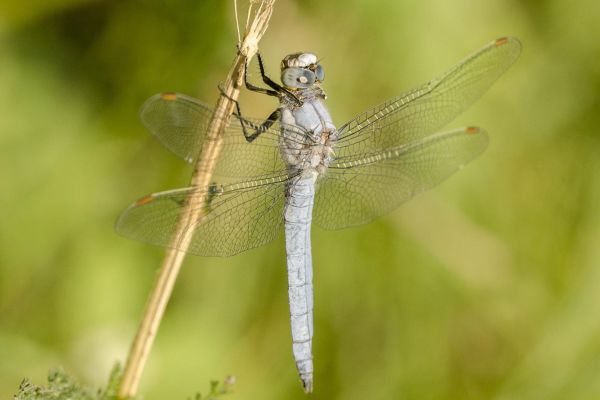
(276, 89)
(258, 129)
(275, 92)
(274, 85)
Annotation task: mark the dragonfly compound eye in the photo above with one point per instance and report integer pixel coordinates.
(298, 77)
(320, 73)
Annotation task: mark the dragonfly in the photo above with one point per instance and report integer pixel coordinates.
(296, 167)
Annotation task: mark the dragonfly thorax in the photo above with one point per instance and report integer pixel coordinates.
(301, 71)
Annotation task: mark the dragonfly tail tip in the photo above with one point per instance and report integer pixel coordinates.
(307, 383)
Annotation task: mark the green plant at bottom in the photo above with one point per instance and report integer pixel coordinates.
(61, 386)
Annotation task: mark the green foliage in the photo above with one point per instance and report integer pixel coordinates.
(62, 386)
(217, 389)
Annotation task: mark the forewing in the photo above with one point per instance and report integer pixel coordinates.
(365, 188)
(181, 122)
(237, 217)
(414, 115)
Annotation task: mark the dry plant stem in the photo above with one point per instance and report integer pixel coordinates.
(191, 213)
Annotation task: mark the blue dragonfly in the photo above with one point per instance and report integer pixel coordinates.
(297, 167)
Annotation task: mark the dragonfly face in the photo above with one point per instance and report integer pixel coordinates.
(301, 71)
(273, 177)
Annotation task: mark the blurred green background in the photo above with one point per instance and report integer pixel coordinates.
(486, 287)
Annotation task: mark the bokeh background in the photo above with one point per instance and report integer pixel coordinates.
(487, 287)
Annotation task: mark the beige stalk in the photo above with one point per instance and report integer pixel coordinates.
(191, 214)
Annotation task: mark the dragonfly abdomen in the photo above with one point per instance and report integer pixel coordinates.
(298, 216)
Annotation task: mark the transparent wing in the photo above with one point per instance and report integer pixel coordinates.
(263, 157)
(237, 217)
(360, 190)
(414, 115)
(180, 122)
(388, 154)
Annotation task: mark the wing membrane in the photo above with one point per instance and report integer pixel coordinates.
(368, 187)
(237, 217)
(384, 157)
(181, 122)
(416, 114)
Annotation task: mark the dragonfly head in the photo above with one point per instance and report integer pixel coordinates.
(301, 71)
